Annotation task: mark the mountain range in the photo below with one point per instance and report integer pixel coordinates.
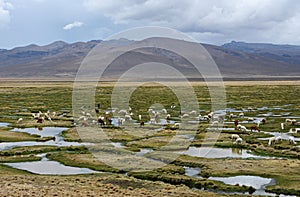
(235, 60)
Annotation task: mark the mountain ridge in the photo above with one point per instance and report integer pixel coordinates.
(235, 59)
(283, 53)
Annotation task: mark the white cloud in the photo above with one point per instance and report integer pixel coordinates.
(5, 8)
(249, 19)
(72, 25)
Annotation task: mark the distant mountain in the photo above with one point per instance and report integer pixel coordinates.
(58, 59)
(235, 60)
(239, 63)
(284, 53)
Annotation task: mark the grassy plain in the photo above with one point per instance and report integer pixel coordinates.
(20, 99)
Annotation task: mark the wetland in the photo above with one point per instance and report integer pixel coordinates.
(53, 155)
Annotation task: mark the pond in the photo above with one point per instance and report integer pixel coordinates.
(115, 121)
(259, 183)
(162, 122)
(144, 151)
(118, 144)
(192, 172)
(255, 120)
(188, 137)
(48, 167)
(231, 110)
(43, 131)
(284, 136)
(212, 152)
(4, 124)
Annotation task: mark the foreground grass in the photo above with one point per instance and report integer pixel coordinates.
(89, 185)
(6, 171)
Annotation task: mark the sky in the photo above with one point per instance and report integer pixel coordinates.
(24, 22)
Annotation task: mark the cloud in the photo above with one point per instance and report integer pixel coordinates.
(5, 8)
(72, 25)
(254, 20)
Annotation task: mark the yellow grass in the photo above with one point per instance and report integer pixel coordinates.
(97, 185)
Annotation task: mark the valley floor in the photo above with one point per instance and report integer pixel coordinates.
(275, 101)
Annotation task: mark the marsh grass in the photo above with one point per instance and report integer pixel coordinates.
(199, 183)
(16, 102)
(33, 150)
(9, 171)
(81, 160)
(289, 181)
(71, 135)
(19, 158)
(102, 184)
(9, 136)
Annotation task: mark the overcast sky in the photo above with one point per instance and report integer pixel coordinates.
(24, 22)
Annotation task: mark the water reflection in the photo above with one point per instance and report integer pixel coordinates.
(192, 172)
(47, 167)
(4, 124)
(211, 152)
(42, 131)
(237, 151)
(118, 144)
(259, 183)
(144, 151)
(284, 136)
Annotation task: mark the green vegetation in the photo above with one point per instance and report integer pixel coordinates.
(279, 100)
(81, 160)
(8, 171)
(19, 158)
(285, 171)
(29, 150)
(8, 136)
(177, 179)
